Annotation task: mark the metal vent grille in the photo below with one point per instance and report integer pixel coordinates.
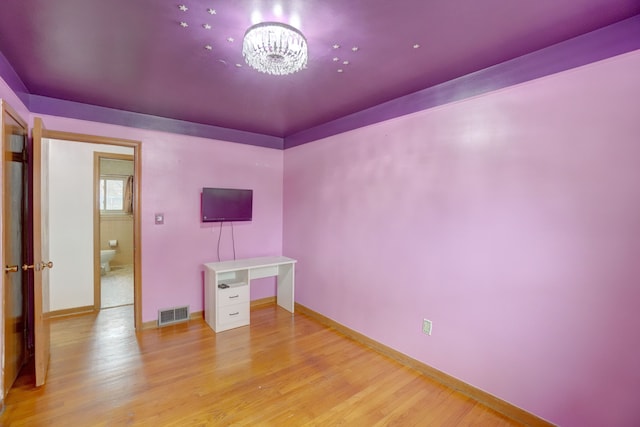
(173, 315)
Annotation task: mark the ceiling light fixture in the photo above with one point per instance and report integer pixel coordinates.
(275, 48)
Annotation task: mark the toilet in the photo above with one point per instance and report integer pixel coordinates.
(106, 255)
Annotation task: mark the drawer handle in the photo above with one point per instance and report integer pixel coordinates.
(234, 314)
(234, 296)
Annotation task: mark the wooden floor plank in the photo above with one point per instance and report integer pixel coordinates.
(283, 370)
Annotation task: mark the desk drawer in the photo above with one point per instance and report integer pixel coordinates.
(233, 295)
(237, 314)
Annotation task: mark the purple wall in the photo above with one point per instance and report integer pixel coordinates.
(511, 220)
(174, 170)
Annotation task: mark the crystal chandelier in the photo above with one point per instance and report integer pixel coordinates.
(274, 48)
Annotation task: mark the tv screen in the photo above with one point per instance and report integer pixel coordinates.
(226, 204)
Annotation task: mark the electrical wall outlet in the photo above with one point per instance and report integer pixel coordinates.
(427, 325)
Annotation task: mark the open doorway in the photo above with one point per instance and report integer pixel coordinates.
(74, 232)
(113, 228)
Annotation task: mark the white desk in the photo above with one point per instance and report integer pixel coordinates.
(229, 307)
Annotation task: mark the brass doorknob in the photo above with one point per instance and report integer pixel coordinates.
(44, 265)
(26, 267)
(10, 268)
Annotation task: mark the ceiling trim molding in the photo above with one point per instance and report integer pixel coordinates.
(613, 40)
(75, 110)
(11, 78)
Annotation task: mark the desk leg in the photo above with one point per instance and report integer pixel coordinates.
(286, 273)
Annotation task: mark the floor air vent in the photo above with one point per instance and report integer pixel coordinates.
(173, 315)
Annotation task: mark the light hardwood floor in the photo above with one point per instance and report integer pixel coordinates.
(283, 370)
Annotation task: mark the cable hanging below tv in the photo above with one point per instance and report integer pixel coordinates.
(226, 204)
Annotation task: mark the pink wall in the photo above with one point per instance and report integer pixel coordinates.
(9, 96)
(174, 170)
(511, 220)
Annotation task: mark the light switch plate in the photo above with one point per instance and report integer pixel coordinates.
(427, 326)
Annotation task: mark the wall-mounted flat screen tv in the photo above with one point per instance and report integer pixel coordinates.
(226, 204)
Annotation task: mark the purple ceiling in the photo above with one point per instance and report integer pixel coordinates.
(136, 57)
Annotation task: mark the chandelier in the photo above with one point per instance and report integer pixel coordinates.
(274, 48)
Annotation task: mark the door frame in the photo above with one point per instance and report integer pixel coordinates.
(5, 108)
(137, 187)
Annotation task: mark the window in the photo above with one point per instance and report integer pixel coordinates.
(112, 193)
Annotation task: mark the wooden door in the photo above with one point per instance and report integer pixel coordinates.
(40, 254)
(14, 244)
